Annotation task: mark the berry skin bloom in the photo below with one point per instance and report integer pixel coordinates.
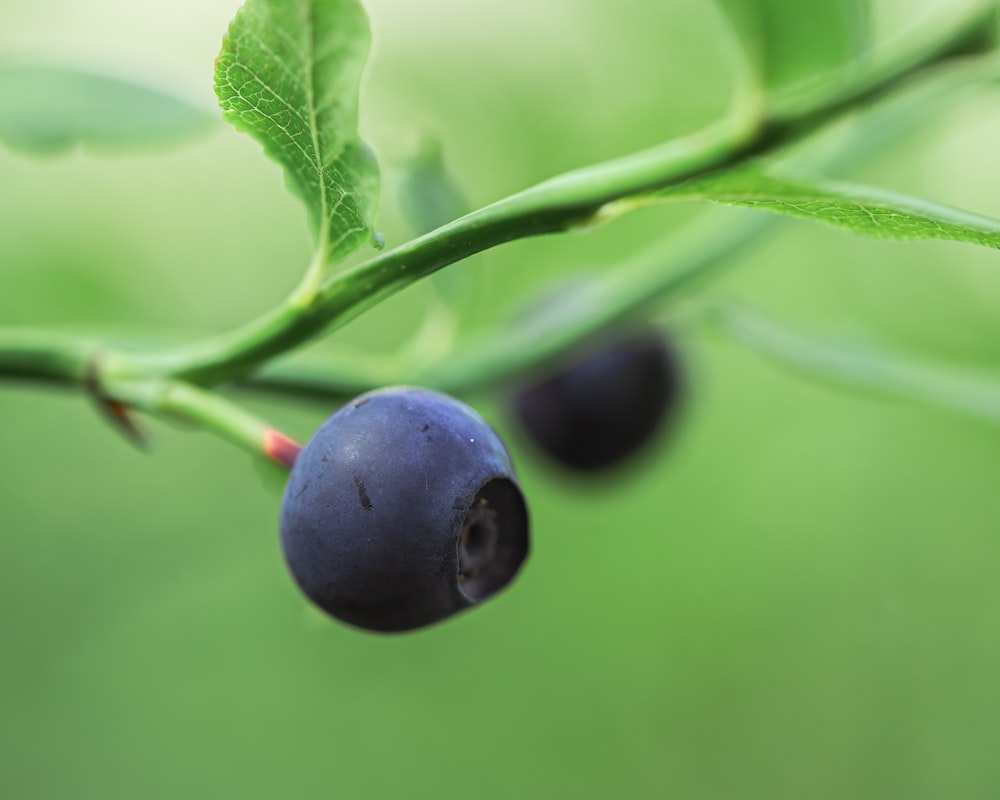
(402, 510)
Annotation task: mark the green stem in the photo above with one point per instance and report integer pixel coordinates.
(807, 106)
(63, 359)
(576, 199)
(205, 410)
(48, 357)
(555, 206)
(599, 301)
(695, 253)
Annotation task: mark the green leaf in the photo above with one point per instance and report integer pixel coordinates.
(47, 110)
(289, 75)
(864, 368)
(793, 40)
(863, 210)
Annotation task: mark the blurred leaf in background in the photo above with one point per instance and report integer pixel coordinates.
(48, 110)
(794, 42)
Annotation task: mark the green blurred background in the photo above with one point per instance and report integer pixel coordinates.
(796, 597)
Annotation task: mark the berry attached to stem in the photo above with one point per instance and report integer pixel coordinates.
(402, 510)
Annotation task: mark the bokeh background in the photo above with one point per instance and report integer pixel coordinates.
(795, 596)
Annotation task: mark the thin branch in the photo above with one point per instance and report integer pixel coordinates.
(575, 199)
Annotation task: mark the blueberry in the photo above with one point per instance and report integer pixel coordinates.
(402, 510)
(599, 405)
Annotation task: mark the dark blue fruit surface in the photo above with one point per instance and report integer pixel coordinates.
(403, 509)
(599, 406)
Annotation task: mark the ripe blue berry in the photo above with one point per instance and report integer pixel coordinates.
(403, 509)
(598, 406)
